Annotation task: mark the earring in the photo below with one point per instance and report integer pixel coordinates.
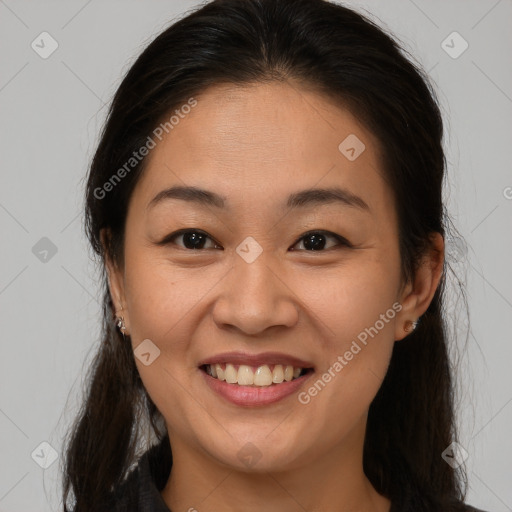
(410, 325)
(120, 322)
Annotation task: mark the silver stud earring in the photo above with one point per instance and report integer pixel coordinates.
(410, 325)
(120, 322)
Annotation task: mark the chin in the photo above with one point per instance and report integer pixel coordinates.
(259, 454)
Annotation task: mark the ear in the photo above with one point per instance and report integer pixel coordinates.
(115, 279)
(417, 295)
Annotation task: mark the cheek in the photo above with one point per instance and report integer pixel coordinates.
(159, 300)
(354, 309)
(160, 296)
(351, 298)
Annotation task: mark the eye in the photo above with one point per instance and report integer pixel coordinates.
(193, 239)
(315, 240)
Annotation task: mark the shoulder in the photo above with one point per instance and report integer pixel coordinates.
(140, 491)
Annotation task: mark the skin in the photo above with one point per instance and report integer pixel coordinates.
(255, 145)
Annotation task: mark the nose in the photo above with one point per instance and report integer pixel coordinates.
(255, 297)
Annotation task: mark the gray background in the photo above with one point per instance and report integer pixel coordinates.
(51, 112)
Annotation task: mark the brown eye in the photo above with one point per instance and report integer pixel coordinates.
(316, 240)
(192, 239)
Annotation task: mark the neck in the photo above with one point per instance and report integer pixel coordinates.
(329, 481)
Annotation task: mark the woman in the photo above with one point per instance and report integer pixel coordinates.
(266, 202)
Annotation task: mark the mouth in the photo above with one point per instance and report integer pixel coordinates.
(257, 383)
(260, 376)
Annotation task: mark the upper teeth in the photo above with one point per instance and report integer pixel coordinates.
(246, 375)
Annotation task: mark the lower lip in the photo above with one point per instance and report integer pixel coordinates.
(250, 396)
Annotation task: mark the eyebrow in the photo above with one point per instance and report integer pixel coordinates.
(303, 199)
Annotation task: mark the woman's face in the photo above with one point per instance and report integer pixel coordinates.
(255, 284)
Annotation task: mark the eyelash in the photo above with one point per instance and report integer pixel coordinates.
(341, 240)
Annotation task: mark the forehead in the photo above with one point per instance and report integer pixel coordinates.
(257, 142)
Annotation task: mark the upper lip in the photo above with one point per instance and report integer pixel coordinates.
(256, 359)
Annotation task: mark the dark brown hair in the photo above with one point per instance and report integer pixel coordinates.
(347, 57)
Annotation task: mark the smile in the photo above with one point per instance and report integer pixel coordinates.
(249, 386)
(245, 375)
